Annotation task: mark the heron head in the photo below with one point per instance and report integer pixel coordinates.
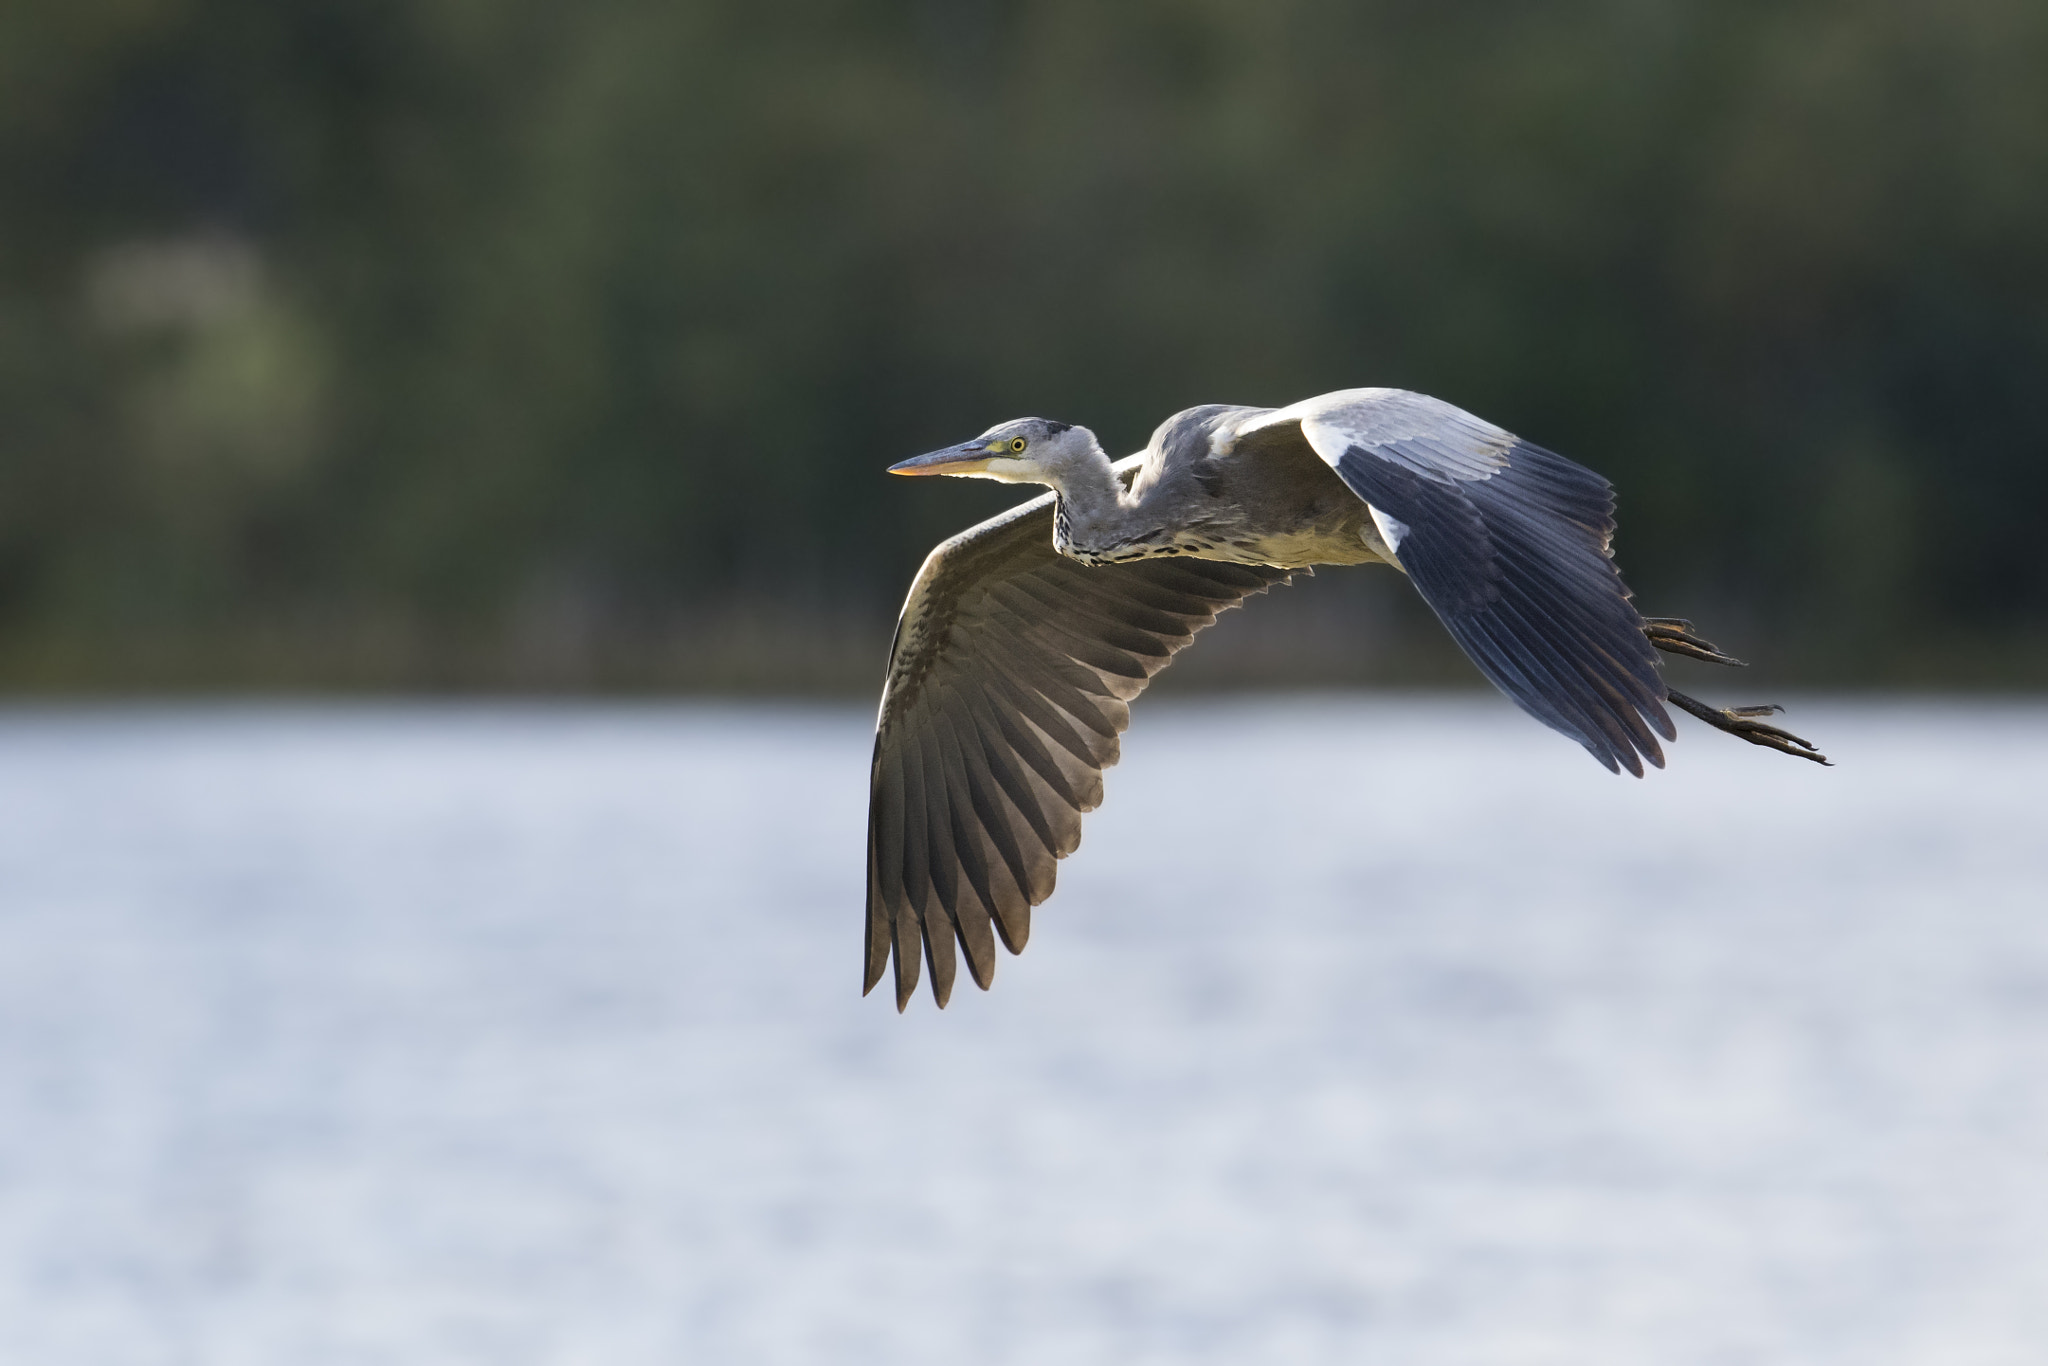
(1029, 450)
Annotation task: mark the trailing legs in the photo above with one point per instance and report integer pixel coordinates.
(1674, 635)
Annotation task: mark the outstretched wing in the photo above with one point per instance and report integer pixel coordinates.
(1007, 688)
(1509, 543)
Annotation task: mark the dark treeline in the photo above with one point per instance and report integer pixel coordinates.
(539, 342)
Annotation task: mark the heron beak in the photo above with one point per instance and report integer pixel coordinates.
(971, 458)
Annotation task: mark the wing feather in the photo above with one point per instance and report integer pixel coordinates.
(979, 862)
(1008, 878)
(1051, 751)
(1013, 774)
(1103, 638)
(1009, 684)
(930, 877)
(1074, 693)
(888, 901)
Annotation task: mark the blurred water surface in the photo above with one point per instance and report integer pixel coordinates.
(1360, 1030)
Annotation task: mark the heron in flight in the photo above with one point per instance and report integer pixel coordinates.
(1024, 639)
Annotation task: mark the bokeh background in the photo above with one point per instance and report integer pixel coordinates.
(549, 345)
(548, 354)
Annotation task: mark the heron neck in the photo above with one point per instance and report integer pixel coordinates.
(1095, 510)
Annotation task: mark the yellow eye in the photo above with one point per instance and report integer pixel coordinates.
(1016, 443)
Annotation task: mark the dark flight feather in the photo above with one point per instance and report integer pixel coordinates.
(1008, 686)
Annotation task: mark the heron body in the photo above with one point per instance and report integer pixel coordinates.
(1196, 490)
(1024, 639)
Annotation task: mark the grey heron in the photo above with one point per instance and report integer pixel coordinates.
(1024, 639)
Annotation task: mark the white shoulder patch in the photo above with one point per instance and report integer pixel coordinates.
(1392, 529)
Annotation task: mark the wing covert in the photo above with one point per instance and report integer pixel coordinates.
(1009, 682)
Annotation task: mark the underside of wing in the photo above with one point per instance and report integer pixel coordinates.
(1008, 686)
(1509, 543)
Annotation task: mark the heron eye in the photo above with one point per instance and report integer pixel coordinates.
(1016, 443)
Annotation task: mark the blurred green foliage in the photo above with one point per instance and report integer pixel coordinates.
(359, 342)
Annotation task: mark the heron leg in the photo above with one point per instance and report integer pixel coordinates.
(1746, 723)
(1674, 636)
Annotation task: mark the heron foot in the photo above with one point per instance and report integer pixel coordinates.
(1746, 723)
(1674, 636)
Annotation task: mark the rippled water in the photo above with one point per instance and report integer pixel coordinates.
(1359, 1031)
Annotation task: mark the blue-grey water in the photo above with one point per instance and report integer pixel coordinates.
(1360, 1030)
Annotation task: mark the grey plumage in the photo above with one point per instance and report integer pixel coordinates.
(1008, 685)
(1024, 639)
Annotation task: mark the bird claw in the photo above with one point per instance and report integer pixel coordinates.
(1745, 723)
(1674, 635)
